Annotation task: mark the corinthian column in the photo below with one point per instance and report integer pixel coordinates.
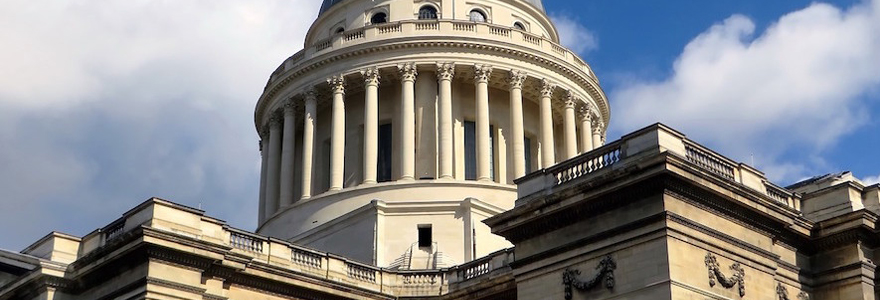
(597, 133)
(481, 79)
(274, 171)
(337, 132)
(586, 129)
(264, 153)
(371, 124)
(287, 155)
(408, 75)
(308, 142)
(516, 123)
(548, 151)
(571, 148)
(445, 72)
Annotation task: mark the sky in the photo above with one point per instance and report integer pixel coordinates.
(105, 104)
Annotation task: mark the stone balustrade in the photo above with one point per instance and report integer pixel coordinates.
(433, 28)
(178, 220)
(654, 139)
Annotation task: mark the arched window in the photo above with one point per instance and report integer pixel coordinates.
(477, 16)
(379, 18)
(340, 30)
(519, 26)
(427, 12)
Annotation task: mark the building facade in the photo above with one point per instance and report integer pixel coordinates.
(402, 124)
(446, 149)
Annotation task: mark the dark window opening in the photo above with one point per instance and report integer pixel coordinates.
(379, 18)
(425, 235)
(470, 151)
(519, 26)
(340, 30)
(427, 12)
(528, 154)
(383, 173)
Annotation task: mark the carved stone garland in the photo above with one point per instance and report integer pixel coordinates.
(605, 270)
(781, 291)
(737, 279)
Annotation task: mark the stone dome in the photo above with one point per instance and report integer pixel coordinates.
(329, 3)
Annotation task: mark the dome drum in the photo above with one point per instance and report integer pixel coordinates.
(401, 135)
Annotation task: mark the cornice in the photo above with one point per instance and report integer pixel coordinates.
(586, 82)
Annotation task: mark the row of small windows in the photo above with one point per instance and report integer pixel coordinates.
(428, 12)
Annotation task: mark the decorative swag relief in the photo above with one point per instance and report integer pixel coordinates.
(737, 279)
(605, 269)
(782, 292)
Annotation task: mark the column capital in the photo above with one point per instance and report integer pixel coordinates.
(585, 112)
(408, 71)
(371, 76)
(547, 88)
(569, 99)
(289, 107)
(337, 84)
(597, 126)
(445, 70)
(264, 134)
(310, 95)
(516, 79)
(482, 73)
(276, 120)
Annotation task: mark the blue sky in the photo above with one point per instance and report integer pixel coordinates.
(103, 105)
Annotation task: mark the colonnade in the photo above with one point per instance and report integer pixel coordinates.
(278, 141)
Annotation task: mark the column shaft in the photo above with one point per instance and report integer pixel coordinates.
(371, 124)
(482, 125)
(407, 122)
(571, 149)
(308, 148)
(264, 153)
(517, 133)
(548, 151)
(274, 170)
(337, 133)
(586, 131)
(288, 145)
(445, 72)
(597, 134)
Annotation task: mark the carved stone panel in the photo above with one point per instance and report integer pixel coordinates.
(605, 270)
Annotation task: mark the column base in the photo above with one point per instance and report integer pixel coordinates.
(369, 182)
(407, 178)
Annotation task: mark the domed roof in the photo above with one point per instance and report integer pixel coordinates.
(329, 3)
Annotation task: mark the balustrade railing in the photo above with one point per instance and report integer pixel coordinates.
(505, 32)
(361, 272)
(420, 279)
(306, 258)
(464, 26)
(114, 230)
(354, 35)
(709, 161)
(587, 163)
(381, 31)
(476, 268)
(427, 26)
(384, 29)
(246, 242)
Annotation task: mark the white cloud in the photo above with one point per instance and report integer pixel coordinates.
(573, 35)
(798, 86)
(103, 106)
(871, 180)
